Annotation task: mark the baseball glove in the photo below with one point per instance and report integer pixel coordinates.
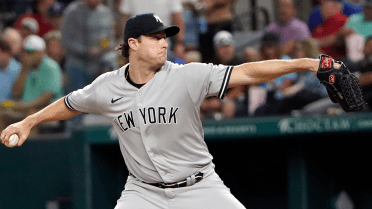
(342, 86)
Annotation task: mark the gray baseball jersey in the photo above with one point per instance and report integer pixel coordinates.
(160, 133)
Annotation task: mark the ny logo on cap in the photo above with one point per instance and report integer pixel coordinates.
(157, 18)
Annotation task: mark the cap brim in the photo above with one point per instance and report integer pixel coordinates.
(169, 30)
(30, 49)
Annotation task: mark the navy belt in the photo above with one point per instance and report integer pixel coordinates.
(191, 180)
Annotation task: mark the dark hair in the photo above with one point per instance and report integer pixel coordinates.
(270, 38)
(5, 46)
(278, 51)
(123, 48)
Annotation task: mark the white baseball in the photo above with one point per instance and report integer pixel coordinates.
(13, 141)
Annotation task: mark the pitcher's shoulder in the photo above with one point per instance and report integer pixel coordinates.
(173, 66)
(110, 76)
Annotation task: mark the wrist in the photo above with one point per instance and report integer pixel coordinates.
(309, 64)
(30, 121)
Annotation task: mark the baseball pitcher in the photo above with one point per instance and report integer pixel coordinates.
(153, 105)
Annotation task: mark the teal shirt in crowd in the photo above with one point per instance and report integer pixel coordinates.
(361, 26)
(46, 78)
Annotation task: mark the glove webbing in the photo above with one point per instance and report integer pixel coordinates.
(352, 92)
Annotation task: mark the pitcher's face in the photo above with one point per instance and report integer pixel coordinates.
(153, 48)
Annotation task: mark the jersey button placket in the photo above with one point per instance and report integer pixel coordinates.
(145, 136)
(138, 95)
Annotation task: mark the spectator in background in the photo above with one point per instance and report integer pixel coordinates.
(40, 14)
(55, 12)
(315, 100)
(88, 37)
(251, 54)
(289, 28)
(192, 56)
(256, 93)
(224, 46)
(362, 23)
(308, 85)
(365, 72)
(14, 39)
(235, 103)
(331, 34)
(179, 54)
(219, 16)
(118, 24)
(38, 84)
(169, 11)
(192, 24)
(55, 51)
(270, 47)
(54, 47)
(29, 26)
(358, 28)
(347, 9)
(274, 105)
(9, 70)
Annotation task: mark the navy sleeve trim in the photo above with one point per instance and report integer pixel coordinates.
(67, 103)
(225, 82)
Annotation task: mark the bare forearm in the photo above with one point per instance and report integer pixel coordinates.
(20, 82)
(53, 112)
(258, 72)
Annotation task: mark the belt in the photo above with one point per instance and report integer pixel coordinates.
(191, 180)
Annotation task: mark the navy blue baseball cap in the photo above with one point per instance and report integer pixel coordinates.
(146, 24)
(56, 9)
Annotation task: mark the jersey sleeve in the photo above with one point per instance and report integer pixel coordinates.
(84, 100)
(206, 80)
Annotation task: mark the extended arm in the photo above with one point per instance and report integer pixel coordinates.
(53, 112)
(258, 72)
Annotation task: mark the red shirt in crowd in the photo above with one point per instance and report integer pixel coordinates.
(44, 25)
(331, 26)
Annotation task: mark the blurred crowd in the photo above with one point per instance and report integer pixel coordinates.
(55, 47)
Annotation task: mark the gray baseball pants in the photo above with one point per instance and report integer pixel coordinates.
(209, 193)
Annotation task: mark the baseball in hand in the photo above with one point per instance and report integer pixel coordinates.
(13, 141)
